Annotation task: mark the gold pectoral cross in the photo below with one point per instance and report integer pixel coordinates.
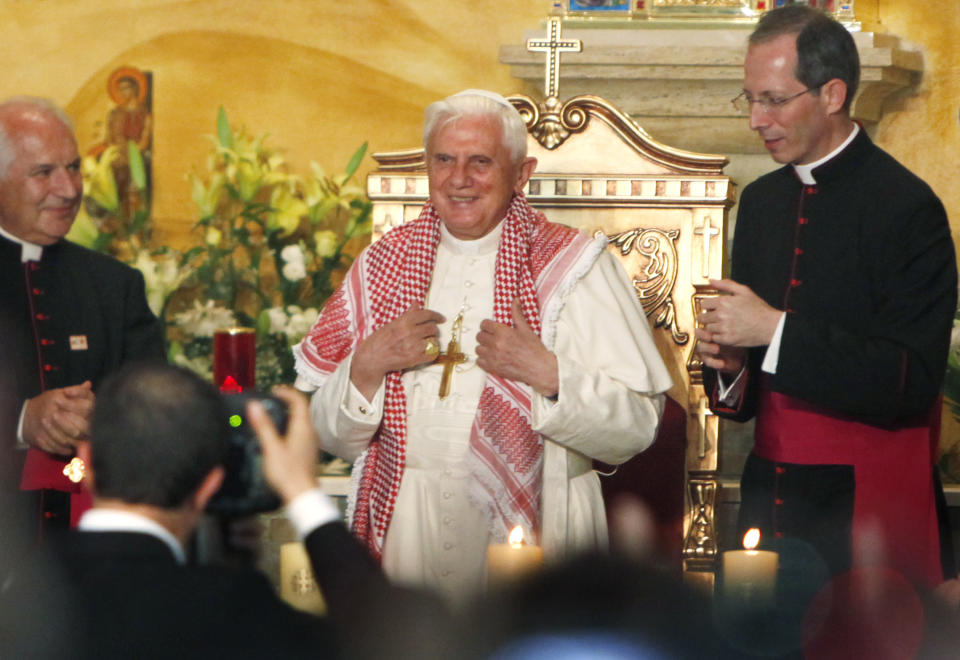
(451, 357)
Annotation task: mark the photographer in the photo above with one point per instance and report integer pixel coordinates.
(156, 456)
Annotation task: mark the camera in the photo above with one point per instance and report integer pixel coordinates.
(245, 490)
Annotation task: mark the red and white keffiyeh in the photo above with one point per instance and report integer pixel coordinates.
(390, 276)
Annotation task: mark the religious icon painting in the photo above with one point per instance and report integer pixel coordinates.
(599, 7)
(826, 5)
(128, 142)
(721, 10)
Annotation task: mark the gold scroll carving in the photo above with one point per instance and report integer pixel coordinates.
(654, 284)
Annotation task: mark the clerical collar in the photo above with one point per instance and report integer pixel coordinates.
(114, 520)
(483, 245)
(805, 172)
(29, 251)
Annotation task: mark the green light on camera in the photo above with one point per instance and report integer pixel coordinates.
(235, 420)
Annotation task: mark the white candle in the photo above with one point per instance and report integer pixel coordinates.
(508, 561)
(750, 575)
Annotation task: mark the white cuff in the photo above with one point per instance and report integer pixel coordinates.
(773, 350)
(309, 510)
(730, 394)
(21, 443)
(356, 406)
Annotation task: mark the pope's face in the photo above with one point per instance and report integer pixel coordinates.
(472, 177)
(798, 131)
(40, 194)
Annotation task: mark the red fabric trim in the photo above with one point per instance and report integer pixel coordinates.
(391, 275)
(719, 407)
(895, 518)
(40, 469)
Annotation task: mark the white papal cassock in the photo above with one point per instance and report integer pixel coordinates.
(611, 384)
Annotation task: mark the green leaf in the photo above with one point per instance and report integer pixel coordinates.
(242, 234)
(137, 170)
(232, 189)
(139, 218)
(356, 159)
(176, 348)
(102, 242)
(360, 225)
(205, 273)
(263, 323)
(190, 254)
(223, 129)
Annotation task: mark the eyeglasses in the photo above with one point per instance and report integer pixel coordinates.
(768, 104)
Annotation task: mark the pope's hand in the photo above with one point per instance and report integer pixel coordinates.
(517, 353)
(289, 462)
(398, 345)
(58, 419)
(737, 318)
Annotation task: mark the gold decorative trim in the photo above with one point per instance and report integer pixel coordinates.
(551, 123)
(694, 363)
(700, 544)
(654, 286)
(593, 190)
(409, 160)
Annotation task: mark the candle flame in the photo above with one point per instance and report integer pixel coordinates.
(516, 537)
(751, 539)
(231, 386)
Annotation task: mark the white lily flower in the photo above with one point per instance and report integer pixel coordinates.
(294, 268)
(203, 320)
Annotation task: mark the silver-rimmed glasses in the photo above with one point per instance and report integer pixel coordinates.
(768, 103)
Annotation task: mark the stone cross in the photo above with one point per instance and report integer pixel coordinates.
(708, 231)
(553, 46)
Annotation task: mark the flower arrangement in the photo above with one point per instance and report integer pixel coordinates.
(270, 247)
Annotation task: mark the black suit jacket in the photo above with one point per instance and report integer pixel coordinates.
(863, 263)
(132, 600)
(73, 293)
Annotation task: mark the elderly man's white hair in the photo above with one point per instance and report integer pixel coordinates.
(479, 103)
(7, 153)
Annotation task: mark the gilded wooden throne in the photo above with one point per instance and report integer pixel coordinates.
(664, 211)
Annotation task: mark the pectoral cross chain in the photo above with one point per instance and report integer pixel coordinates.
(451, 357)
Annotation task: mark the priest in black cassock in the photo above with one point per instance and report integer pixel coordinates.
(834, 328)
(71, 316)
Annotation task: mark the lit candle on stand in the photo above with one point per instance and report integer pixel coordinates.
(514, 559)
(234, 359)
(750, 575)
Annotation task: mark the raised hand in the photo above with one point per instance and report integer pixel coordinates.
(401, 344)
(737, 318)
(289, 462)
(517, 353)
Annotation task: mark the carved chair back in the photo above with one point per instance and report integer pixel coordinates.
(664, 211)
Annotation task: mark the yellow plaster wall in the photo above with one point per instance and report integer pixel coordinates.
(321, 76)
(921, 128)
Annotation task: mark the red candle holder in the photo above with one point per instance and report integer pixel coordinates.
(234, 359)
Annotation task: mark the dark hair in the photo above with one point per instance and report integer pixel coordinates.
(825, 49)
(157, 431)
